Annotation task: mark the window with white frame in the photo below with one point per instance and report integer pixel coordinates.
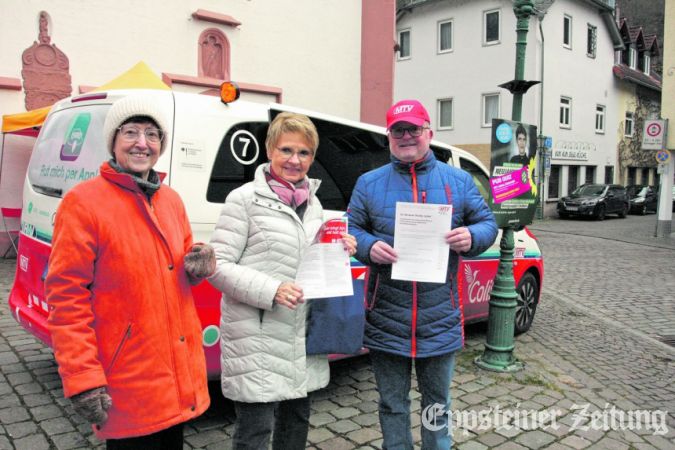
(567, 31)
(565, 112)
(490, 108)
(628, 124)
(445, 114)
(445, 36)
(491, 27)
(591, 40)
(599, 118)
(632, 58)
(647, 64)
(404, 44)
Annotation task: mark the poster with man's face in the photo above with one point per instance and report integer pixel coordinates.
(513, 188)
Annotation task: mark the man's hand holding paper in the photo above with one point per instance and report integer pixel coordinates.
(459, 239)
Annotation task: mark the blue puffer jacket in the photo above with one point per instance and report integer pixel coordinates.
(407, 318)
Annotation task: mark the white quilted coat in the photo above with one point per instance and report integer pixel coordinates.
(258, 242)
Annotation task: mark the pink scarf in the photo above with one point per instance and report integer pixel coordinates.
(291, 194)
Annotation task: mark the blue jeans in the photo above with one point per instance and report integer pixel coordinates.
(288, 420)
(434, 375)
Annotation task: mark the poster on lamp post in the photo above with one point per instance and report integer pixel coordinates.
(513, 198)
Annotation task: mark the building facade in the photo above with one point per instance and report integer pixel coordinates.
(639, 95)
(454, 54)
(306, 53)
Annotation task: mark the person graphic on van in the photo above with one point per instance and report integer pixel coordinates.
(123, 322)
(263, 229)
(409, 322)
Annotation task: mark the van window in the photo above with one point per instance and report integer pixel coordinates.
(229, 172)
(70, 149)
(442, 154)
(344, 154)
(479, 177)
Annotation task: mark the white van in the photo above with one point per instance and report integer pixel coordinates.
(215, 148)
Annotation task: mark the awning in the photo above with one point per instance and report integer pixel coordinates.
(26, 123)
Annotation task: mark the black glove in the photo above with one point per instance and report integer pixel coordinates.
(92, 405)
(200, 261)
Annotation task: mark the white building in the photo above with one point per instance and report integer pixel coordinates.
(454, 54)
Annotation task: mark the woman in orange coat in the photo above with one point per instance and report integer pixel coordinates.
(123, 323)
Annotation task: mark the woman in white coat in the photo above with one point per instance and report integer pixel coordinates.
(262, 231)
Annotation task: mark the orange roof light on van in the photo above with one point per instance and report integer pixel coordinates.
(229, 92)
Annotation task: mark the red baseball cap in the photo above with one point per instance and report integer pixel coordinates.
(407, 111)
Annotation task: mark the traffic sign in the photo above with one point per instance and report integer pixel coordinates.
(653, 136)
(663, 156)
(548, 142)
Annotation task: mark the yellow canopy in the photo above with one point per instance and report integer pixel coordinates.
(138, 77)
(24, 121)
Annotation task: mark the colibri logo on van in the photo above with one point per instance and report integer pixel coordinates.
(74, 138)
(479, 289)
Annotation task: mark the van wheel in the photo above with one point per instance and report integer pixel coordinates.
(528, 293)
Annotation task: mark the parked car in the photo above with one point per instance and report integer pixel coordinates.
(215, 148)
(595, 200)
(642, 198)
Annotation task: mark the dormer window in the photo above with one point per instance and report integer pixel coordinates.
(647, 63)
(632, 58)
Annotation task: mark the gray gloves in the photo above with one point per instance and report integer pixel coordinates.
(92, 405)
(200, 261)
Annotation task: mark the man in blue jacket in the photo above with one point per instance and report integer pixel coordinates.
(412, 322)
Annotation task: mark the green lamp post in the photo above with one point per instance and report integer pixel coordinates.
(498, 354)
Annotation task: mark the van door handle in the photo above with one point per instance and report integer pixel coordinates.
(46, 190)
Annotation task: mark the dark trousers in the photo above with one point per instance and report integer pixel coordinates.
(169, 439)
(287, 420)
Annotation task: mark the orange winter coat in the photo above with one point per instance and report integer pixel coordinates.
(122, 313)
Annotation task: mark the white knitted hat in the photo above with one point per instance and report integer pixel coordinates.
(128, 107)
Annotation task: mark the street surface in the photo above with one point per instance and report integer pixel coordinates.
(601, 351)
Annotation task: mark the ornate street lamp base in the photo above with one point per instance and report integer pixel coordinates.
(496, 365)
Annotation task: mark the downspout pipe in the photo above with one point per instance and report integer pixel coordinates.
(542, 173)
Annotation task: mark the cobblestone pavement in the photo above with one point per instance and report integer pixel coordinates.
(593, 353)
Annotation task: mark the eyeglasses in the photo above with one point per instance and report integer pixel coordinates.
(133, 134)
(303, 155)
(399, 132)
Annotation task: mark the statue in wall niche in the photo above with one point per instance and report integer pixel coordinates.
(212, 56)
(44, 70)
